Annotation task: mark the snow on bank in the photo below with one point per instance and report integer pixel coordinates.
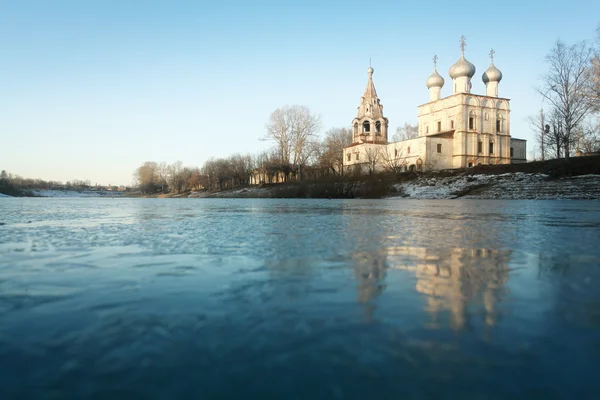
(517, 185)
(4, 195)
(75, 193)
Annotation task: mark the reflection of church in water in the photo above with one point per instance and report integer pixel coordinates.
(459, 282)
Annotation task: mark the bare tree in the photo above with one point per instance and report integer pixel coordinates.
(405, 132)
(588, 138)
(146, 177)
(292, 128)
(393, 159)
(162, 172)
(546, 131)
(373, 155)
(568, 87)
(332, 154)
(595, 74)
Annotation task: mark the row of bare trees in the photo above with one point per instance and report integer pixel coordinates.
(21, 183)
(152, 177)
(297, 148)
(571, 89)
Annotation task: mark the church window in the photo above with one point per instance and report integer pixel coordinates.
(355, 128)
(512, 152)
(470, 164)
(480, 147)
(357, 156)
(366, 127)
(498, 126)
(349, 157)
(486, 116)
(378, 127)
(452, 124)
(395, 152)
(472, 120)
(427, 129)
(408, 150)
(491, 148)
(439, 126)
(439, 148)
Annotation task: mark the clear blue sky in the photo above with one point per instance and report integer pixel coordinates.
(92, 89)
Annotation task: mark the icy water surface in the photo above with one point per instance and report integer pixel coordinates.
(299, 299)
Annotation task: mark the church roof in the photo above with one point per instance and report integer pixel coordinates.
(370, 106)
(370, 91)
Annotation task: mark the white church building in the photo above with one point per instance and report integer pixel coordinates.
(458, 131)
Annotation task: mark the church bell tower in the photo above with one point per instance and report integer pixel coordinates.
(370, 126)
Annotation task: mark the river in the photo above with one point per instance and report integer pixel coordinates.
(268, 298)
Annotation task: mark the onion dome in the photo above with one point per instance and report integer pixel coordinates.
(492, 74)
(434, 80)
(462, 68)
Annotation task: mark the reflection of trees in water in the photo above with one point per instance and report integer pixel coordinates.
(370, 273)
(572, 281)
(454, 279)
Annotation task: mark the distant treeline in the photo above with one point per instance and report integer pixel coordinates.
(297, 149)
(15, 185)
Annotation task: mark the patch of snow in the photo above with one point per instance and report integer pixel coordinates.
(517, 185)
(4, 195)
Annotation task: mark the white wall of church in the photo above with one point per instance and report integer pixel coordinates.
(519, 153)
(439, 153)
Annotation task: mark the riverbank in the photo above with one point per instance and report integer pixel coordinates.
(579, 178)
(65, 193)
(504, 186)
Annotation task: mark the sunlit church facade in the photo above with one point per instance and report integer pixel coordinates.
(458, 131)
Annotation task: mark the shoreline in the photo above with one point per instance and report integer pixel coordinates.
(577, 178)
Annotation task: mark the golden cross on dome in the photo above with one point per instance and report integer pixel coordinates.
(463, 43)
(492, 52)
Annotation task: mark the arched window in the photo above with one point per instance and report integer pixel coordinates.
(356, 128)
(472, 120)
(366, 127)
(378, 127)
(479, 147)
(500, 123)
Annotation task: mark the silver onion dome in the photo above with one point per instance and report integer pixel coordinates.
(434, 80)
(492, 74)
(462, 68)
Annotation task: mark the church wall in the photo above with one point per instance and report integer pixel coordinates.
(446, 111)
(441, 160)
(519, 150)
(410, 152)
